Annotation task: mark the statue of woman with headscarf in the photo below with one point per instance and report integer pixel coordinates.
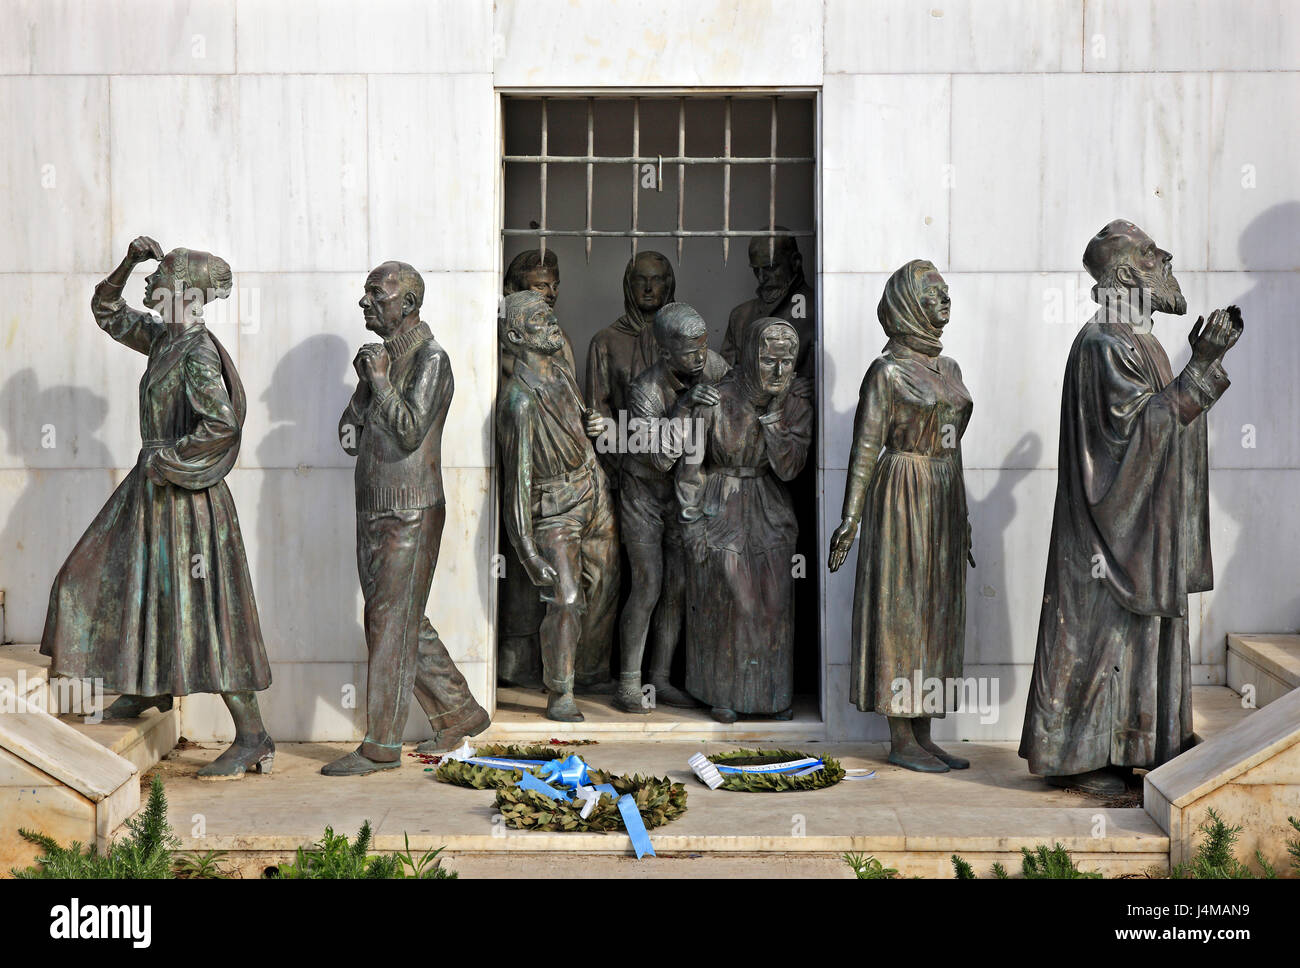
(625, 349)
(739, 529)
(905, 486)
(156, 599)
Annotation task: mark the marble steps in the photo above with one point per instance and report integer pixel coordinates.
(57, 780)
(142, 742)
(1248, 772)
(60, 774)
(1268, 666)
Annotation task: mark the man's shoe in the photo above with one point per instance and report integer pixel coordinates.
(354, 764)
(629, 699)
(561, 708)
(669, 695)
(449, 738)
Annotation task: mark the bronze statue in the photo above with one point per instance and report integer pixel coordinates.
(393, 426)
(905, 477)
(739, 530)
(1111, 688)
(519, 659)
(782, 292)
(622, 351)
(659, 402)
(156, 598)
(557, 510)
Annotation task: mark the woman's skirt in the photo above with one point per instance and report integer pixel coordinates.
(909, 601)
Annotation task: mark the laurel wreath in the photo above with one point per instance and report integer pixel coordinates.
(659, 800)
(827, 776)
(489, 778)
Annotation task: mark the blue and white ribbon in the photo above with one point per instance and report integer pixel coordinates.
(571, 775)
(802, 767)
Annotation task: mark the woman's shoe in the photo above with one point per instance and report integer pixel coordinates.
(238, 760)
(723, 715)
(918, 760)
(133, 707)
(785, 715)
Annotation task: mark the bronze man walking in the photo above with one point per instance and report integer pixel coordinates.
(393, 426)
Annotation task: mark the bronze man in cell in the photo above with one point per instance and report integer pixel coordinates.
(659, 403)
(739, 529)
(393, 426)
(519, 661)
(156, 598)
(905, 486)
(783, 293)
(1112, 686)
(557, 509)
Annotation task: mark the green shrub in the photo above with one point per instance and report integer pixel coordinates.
(1043, 863)
(869, 868)
(143, 854)
(333, 858)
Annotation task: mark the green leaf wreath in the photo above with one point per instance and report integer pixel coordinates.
(659, 799)
(487, 777)
(827, 776)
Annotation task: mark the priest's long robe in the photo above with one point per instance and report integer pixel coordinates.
(1130, 540)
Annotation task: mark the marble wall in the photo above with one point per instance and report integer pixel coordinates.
(307, 141)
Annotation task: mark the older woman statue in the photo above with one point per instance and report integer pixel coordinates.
(155, 599)
(739, 529)
(905, 479)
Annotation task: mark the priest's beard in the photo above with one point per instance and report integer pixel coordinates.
(1161, 292)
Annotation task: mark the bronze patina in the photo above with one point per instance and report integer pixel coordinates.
(906, 489)
(156, 598)
(393, 425)
(1111, 688)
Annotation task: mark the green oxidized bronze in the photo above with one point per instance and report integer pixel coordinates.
(156, 598)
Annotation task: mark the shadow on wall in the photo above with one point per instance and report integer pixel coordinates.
(53, 431)
(1256, 589)
(307, 589)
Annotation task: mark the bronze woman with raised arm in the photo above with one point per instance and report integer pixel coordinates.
(156, 599)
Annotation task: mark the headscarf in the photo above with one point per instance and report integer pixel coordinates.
(900, 312)
(760, 331)
(633, 319)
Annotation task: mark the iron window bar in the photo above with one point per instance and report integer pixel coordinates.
(681, 160)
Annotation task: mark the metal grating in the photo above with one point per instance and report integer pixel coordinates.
(726, 160)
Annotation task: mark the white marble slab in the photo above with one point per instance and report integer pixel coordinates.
(885, 170)
(1259, 408)
(1173, 35)
(139, 37)
(557, 43)
(172, 177)
(461, 309)
(966, 36)
(43, 512)
(433, 166)
(1011, 525)
(301, 154)
(298, 336)
(70, 405)
(1254, 539)
(1254, 212)
(1042, 162)
(55, 171)
(375, 37)
(15, 45)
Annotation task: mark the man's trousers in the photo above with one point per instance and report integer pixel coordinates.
(397, 552)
